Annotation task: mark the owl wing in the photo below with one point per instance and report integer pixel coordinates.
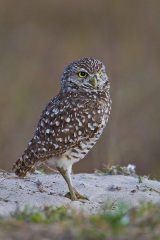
(65, 122)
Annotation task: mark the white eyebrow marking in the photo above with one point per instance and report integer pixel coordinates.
(82, 70)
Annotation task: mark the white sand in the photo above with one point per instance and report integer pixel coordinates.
(98, 189)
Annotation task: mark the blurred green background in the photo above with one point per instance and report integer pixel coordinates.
(38, 39)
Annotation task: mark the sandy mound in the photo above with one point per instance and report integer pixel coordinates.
(42, 190)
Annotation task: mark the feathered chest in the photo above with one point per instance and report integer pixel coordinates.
(70, 120)
(93, 115)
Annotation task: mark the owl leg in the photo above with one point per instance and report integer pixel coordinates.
(65, 173)
(73, 194)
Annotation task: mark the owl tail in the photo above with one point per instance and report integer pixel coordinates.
(22, 166)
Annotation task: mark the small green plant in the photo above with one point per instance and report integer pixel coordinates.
(116, 221)
(139, 179)
(42, 215)
(116, 169)
(42, 171)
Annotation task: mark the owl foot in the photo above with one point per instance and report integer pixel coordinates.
(72, 194)
(76, 196)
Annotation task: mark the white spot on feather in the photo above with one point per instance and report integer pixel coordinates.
(55, 110)
(79, 122)
(56, 146)
(47, 131)
(59, 139)
(57, 123)
(47, 113)
(68, 119)
(42, 124)
(90, 126)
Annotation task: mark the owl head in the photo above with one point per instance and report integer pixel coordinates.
(87, 74)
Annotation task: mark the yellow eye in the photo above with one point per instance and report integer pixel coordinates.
(82, 74)
(101, 73)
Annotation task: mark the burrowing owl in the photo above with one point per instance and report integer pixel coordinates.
(72, 122)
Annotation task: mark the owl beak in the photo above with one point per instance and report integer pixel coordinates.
(94, 82)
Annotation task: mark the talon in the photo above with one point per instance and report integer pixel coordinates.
(75, 196)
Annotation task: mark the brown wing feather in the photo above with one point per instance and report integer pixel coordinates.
(68, 119)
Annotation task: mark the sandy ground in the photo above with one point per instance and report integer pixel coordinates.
(49, 190)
